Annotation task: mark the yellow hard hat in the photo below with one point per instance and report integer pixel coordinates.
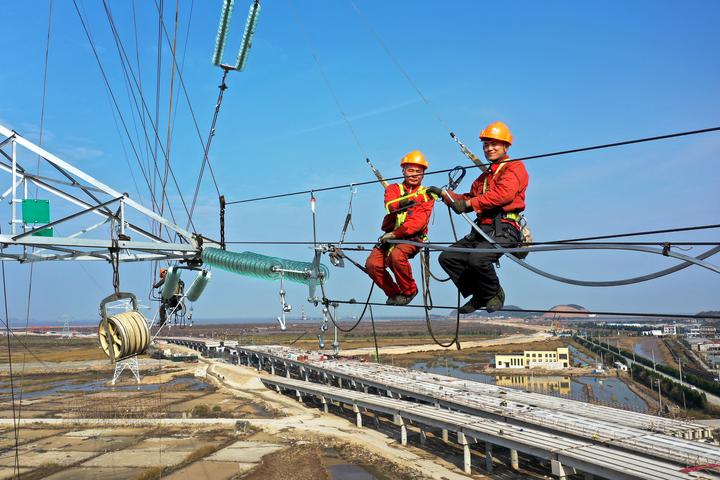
(497, 131)
(415, 157)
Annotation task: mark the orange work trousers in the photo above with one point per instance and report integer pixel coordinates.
(396, 259)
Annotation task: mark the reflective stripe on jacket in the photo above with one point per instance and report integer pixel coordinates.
(412, 221)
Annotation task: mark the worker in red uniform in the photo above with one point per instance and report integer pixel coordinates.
(408, 208)
(498, 198)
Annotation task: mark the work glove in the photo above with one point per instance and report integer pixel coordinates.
(437, 191)
(461, 206)
(386, 237)
(406, 203)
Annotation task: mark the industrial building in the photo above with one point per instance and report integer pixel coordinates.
(558, 358)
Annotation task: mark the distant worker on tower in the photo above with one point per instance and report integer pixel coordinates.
(497, 197)
(408, 209)
(172, 305)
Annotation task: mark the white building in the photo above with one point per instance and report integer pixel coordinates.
(669, 330)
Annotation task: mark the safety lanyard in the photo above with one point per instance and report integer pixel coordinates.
(497, 171)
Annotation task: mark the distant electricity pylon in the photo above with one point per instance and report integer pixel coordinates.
(66, 332)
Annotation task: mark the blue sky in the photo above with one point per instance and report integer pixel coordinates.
(561, 74)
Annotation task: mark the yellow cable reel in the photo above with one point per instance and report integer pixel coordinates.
(125, 334)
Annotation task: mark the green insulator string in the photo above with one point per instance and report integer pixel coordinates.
(222, 34)
(262, 266)
(246, 43)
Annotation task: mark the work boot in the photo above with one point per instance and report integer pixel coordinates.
(404, 299)
(391, 300)
(475, 303)
(497, 302)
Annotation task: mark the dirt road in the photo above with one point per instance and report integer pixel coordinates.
(302, 422)
(403, 349)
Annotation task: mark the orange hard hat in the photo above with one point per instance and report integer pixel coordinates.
(415, 157)
(163, 272)
(497, 131)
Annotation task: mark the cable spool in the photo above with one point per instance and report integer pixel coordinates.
(198, 286)
(125, 334)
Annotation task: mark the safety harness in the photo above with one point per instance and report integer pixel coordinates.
(402, 216)
(512, 216)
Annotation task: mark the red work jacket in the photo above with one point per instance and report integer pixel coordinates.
(500, 189)
(415, 222)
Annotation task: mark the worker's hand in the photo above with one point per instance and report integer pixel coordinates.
(406, 203)
(386, 237)
(436, 191)
(461, 206)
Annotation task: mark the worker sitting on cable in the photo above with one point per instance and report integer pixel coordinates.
(172, 305)
(408, 209)
(498, 198)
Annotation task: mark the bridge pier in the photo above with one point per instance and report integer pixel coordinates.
(445, 435)
(324, 404)
(423, 437)
(272, 366)
(514, 462)
(398, 420)
(488, 457)
(467, 461)
(358, 416)
(559, 470)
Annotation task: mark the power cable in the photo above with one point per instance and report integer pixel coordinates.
(326, 80)
(154, 126)
(543, 155)
(362, 249)
(158, 74)
(542, 311)
(169, 122)
(377, 350)
(109, 89)
(32, 265)
(399, 66)
(140, 86)
(16, 419)
(636, 234)
(687, 261)
(125, 63)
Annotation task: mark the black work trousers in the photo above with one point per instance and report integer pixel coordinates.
(474, 273)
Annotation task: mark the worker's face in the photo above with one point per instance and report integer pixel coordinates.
(494, 150)
(413, 175)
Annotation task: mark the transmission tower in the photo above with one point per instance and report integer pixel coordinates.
(132, 364)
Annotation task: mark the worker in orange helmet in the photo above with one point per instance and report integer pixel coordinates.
(408, 209)
(497, 197)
